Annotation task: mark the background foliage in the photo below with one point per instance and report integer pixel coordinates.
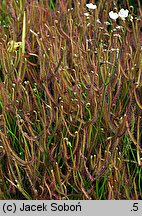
(70, 100)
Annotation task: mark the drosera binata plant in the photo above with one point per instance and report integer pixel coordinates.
(70, 102)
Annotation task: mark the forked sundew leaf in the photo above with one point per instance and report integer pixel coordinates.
(24, 33)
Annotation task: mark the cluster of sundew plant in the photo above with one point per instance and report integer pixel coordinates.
(70, 101)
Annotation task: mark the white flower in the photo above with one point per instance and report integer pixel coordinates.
(123, 13)
(113, 15)
(88, 24)
(98, 21)
(91, 6)
(86, 14)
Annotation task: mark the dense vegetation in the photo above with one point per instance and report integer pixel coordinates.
(70, 100)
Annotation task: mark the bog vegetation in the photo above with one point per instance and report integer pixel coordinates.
(70, 100)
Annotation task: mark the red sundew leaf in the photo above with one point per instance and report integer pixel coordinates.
(137, 100)
(88, 173)
(131, 136)
(86, 169)
(52, 185)
(85, 193)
